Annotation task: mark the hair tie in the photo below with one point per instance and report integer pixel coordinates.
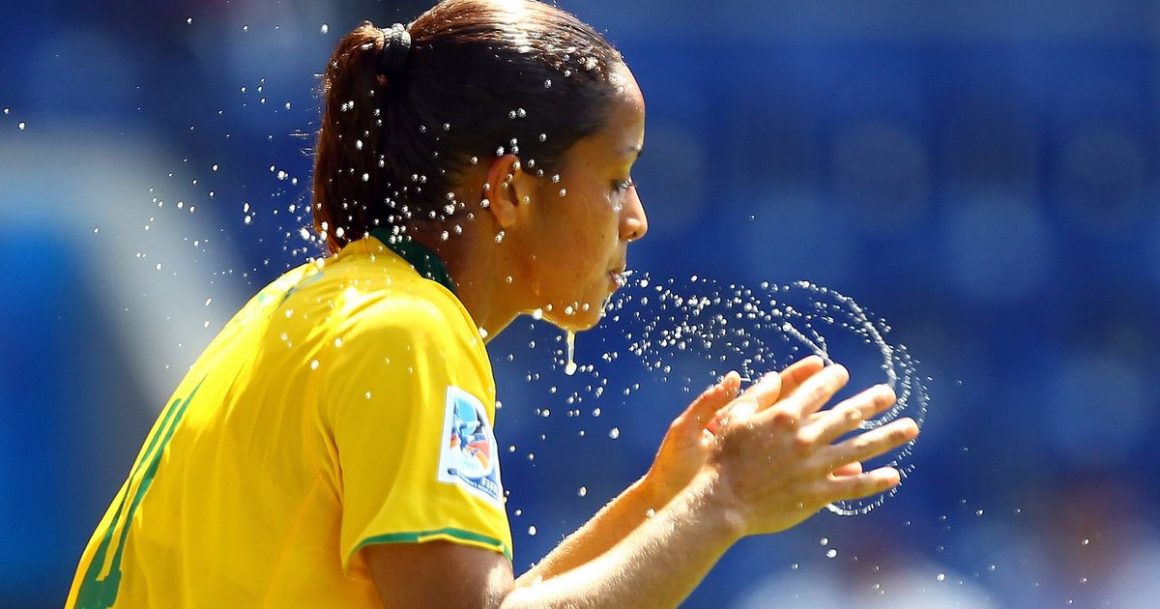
(396, 49)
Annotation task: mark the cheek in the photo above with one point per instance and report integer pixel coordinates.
(585, 227)
(599, 236)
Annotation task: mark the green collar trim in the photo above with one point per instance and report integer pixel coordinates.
(423, 260)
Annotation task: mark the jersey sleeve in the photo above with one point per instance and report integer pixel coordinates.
(411, 416)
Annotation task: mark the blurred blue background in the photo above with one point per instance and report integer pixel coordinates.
(981, 174)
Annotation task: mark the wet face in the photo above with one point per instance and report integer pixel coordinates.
(581, 224)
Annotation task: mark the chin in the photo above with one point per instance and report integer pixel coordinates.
(585, 311)
(584, 317)
(578, 322)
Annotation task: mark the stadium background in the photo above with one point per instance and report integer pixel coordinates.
(982, 174)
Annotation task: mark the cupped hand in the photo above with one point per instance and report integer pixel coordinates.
(690, 438)
(776, 458)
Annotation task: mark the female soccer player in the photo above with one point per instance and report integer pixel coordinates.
(333, 446)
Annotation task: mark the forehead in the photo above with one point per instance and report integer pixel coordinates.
(628, 90)
(622, 134)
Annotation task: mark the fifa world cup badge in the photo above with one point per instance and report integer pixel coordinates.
(468, 456)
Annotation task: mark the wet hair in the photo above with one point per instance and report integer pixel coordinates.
(404, 117)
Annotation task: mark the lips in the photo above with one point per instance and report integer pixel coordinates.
(620, 278)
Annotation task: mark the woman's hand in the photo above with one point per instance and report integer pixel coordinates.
(773, 460)
(689, 440)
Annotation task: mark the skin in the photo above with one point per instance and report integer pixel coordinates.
(733, 464)
(558, 250)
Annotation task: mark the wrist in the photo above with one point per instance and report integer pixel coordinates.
(717, 504)
(650, 492)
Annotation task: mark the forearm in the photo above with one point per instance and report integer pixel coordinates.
(655, 564)
(610, 525)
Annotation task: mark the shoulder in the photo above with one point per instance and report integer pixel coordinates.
(407, 306)
(386, 310)
(367, 291)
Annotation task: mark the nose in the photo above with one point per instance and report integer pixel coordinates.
(633, 221)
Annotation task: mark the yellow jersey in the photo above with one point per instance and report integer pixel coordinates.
(350, 402)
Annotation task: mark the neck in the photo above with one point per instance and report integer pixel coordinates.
(477, 267)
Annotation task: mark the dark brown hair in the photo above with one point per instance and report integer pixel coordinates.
(481, 78)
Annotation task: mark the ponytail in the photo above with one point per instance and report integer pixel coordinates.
(349, 180)
(407, 110)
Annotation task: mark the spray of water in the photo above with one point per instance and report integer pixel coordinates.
(691, 332)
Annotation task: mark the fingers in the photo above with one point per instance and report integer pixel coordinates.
(797, 373)
(794, 375)
(862, 485)
(849, 469)
(765, 391)
(813, 393)
(829, 425)
(870, 444)
(701, 412)
(758, 396)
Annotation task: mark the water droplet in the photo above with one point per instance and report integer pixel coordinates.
(614, 433)
(532, 530)
(940, 577)
(325, 28)
(21, 126)
(570, 367)
(582, 491)
(831, 553)
(314, 364)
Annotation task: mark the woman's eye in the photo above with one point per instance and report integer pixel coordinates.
(623, 185)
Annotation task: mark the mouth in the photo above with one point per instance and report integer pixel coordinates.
(620, 278)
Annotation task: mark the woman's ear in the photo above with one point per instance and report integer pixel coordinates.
(508, 190)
